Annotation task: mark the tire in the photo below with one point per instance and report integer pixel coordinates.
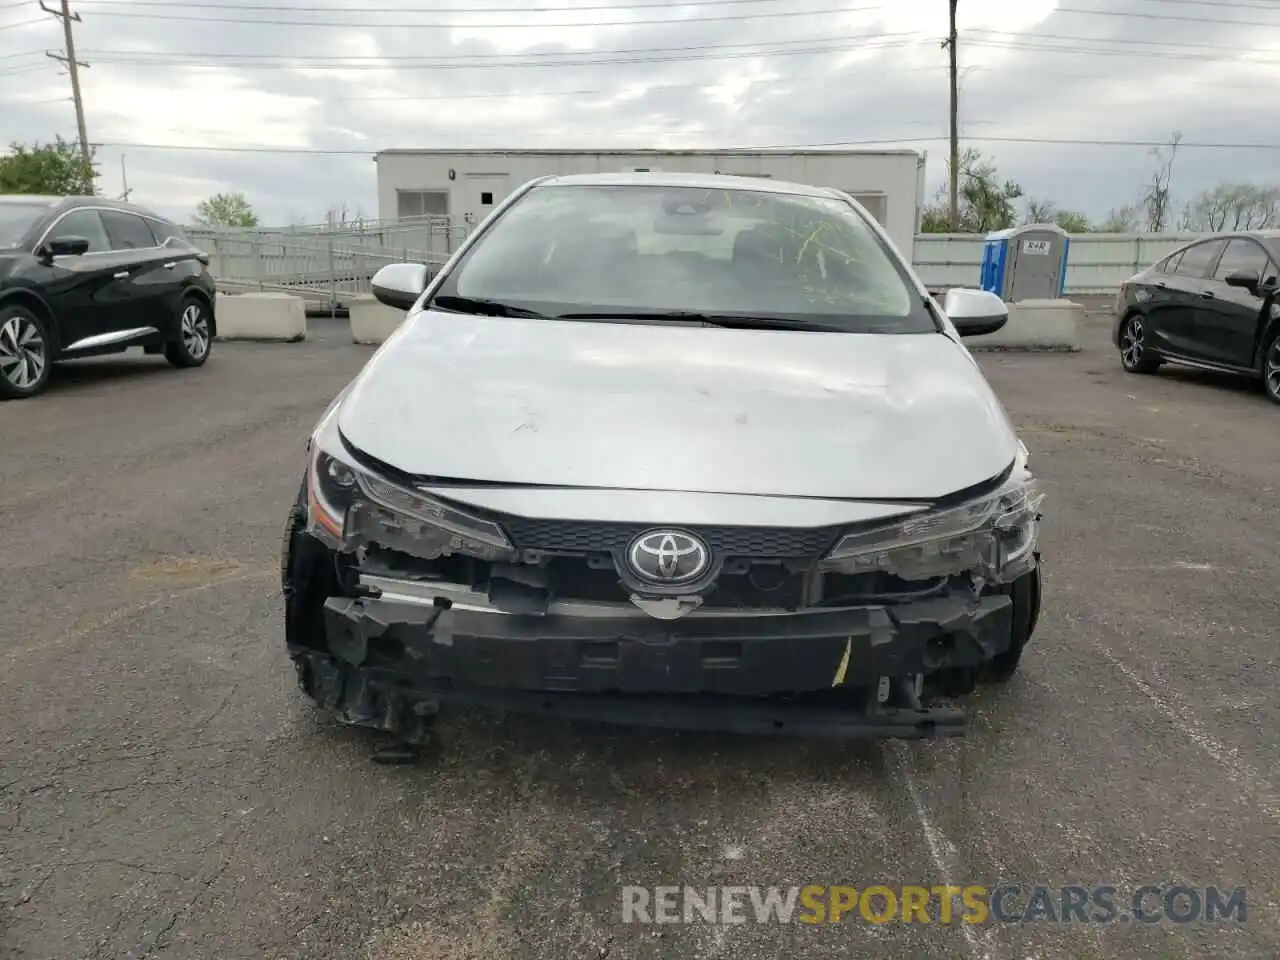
(1271, 367)
(191, 349)
(1025, 593)
(1135, 357)
(24, 353)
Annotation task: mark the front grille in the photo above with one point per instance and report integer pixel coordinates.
(587, 536)
(762, 586)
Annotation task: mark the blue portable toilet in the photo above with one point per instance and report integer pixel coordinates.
(1026, 263)
(993, 262)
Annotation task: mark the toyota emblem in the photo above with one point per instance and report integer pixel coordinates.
(668, 557)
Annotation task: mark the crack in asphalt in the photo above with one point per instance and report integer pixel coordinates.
(204, 887)
(137, 610)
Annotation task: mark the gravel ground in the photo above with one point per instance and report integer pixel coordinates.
(166, 791)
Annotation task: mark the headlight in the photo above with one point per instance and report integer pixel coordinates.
(995, 537)
(347, 505)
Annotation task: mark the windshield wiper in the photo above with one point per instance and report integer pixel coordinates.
(484, 308)
(732, 320)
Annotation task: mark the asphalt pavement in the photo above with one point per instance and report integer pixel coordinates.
(166, 791)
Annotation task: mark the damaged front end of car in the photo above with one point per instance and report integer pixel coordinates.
(398, 600)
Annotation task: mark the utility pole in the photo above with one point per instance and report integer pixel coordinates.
(73, 65)
(954, 175)
(124, 179)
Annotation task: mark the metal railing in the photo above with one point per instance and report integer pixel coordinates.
(325, 265)
(328, 264)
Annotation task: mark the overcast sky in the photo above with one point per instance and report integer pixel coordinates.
(639, 73)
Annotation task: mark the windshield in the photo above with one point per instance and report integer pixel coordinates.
(16, 219)
(614, 250)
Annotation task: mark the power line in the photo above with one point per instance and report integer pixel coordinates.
(1013, 38)
(364, 24)
(299, 8)
(1036, 37)
(1084, 11)
(37, 103)
(639, 89)
(1218, 3)
(1041, 43)
(661, 4)
(1167, 17)
(536, 54)
(23, 53)
(1046, 141)
(22, 23)
(1080, 51)
(866, 142)
(471, 64)
(763, 48)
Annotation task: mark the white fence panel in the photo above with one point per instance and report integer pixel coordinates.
(328, 264)
(1097, 263)
(948, 260)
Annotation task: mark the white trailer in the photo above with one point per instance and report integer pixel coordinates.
(467, 184)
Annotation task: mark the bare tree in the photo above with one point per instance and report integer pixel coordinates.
(1041, 211)
(1126, 219)
(1046, 211)
(1233, 206)
(1156, 199)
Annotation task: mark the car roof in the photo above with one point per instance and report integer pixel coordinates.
(69, 203)
(702, 181)
(1267, 236)
(73, 201)
(32, 199)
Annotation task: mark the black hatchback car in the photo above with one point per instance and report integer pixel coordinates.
(86, 276)
(1213, 304)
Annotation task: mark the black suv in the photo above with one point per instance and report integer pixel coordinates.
(85, 276)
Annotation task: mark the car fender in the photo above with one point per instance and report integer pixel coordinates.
(1268, 324)
(33, 299)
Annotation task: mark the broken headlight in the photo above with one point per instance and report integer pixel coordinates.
(993, 537)
(348, 505)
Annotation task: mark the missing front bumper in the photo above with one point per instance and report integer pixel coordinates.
(814, 673)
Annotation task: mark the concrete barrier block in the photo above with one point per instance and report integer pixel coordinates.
(1051, 325)
(372, 321)
(278, 317)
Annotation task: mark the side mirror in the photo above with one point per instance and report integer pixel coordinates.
(66, 247)
(1248, 279)
(975, 312)
(400, 285)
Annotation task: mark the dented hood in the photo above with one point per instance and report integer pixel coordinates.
(647, 407)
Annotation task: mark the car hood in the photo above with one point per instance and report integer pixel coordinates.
(642, 407)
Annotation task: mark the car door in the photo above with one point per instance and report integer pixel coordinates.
(183, 261)
(80, 289)
(1227, 328)
(147, 281)
(1186, 288)
(1157, 294)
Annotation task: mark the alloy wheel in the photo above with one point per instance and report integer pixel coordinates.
(1131, 343)
(22, 352)
(1271, 372)
(195, 331)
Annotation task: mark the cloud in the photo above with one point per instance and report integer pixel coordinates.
(499, 73)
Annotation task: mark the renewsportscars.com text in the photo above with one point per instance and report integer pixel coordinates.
(974, 904)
